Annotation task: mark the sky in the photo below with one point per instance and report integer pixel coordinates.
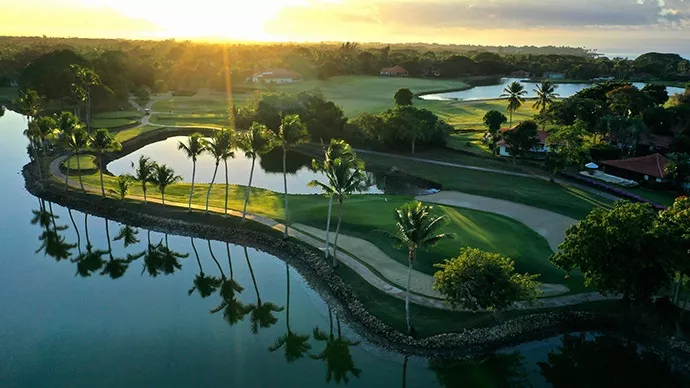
(620, 26)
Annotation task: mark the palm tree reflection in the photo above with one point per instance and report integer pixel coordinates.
(261, 312)
(203, 284)
(115, 267)
(234, 311)
(53, 244)
(296, 345)
(160, 259)
(336, 354)
(90, 261)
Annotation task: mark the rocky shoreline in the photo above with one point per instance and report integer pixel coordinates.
(320, 276)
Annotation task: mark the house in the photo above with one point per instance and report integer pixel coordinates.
(647, 144)
(541, 148)
(554, 75)
(275, 76)
(395, 71)
(520, 74)
(643, 168)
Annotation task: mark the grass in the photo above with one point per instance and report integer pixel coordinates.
(115, 119)
(661, 197)
(128, 134)
(469, 115)
(205, 119)
(86, 162)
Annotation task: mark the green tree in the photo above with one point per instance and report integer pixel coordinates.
(515, 95)
(628, 101)
(678, 167)
(493, 120)
(336, 353)
(569, 143)
(123, 184)
(656, 93)
(674, 223)
(546, 95)
(220, 147)
(192, 149)
(403, 97)
(75, 142)
(30, 103)
(522, 138)
(344, 177)
(477, 280)
(416, 229)
(163, 176)
(292, 133)
(143, 172)
(103, 142)
(84, 79)
(618, 251)
(258, 140)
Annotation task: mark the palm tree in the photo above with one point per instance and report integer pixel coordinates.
(417, 229)
(143, 172)
(514, 94)
(33, 133)
(205, 285)
(231, 136)
(75, 142)
(84, 79)
(123, 184)
(192, 149)
(220, 146)
(546, 94)
(258, 140)
(261, 312)
(103, 142)
(30, 103)
(163, 176)
(336, 354)
(295, 344)
(336, 149)
(292, 132)
(344, 178)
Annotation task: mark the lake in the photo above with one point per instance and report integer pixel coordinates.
(79, 309)
(493, 91)
(268, 171)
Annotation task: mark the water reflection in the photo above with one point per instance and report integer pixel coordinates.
(261, 313)
(336, 353)
(53, 244)
(496, 370)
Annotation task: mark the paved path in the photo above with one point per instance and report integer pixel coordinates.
(550, 225)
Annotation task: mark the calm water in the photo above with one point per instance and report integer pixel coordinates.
(493, 91)
(79, 309)
(268, 171)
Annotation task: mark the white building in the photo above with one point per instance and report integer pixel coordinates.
(540, 148)
(275, 76)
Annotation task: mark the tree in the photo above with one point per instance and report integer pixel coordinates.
(103, 142)
(163, 176)
(618, 251)
(143, 172)
(75, 142)
(344, 177)
(258, 140)
(514, 94)
(493, 120)
(569, 143)
(30, 103)
(656, 93)
(416, 229)
(124, 181)
(403, 97)
(220, 147)
(628, 101)
(546, 95)
(192, 149)
(674, 222)
(336, 149)
(233, 310)
(678, 167)
(522, 138)
(291, 134)
(84, 79)
(477, 280)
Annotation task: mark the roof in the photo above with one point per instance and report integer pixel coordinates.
(277, 73)
(652, 165)
(394, 69)
(541, 135)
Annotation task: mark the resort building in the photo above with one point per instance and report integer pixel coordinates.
(395, 71)
(275, 76)
(540, 149)
(643, 168)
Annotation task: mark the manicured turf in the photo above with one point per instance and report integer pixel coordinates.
(665, 198)
(217, 103)
(127, 134)
(470, 114)
(86, 162)
(211, 120)
(115, 119)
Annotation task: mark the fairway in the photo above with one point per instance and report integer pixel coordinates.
(115, 119)
(86, 162)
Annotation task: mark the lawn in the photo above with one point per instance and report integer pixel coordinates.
(217, 103)
(86, 162)
(469, 115)
(127, 134)
(115, 119)
(662, 197)
(190, 119)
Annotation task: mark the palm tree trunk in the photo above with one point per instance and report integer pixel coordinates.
(37, 160)
(100, 170)
(328, 226)
(227, 185)
(143, 186)
(76, 230)
(404, 376)
(337, 232)
(251, 272)
(88, 109)
(510, 126)
(67, 174)
(107, 235)
(407, 291)
(196, 253)
(287, 310)
(227, 248)
(191, 192)
(249, 187)
(163, 197)
(81, 183)
(285, 236)
(208, 194)
(86, 229)
(214, 259)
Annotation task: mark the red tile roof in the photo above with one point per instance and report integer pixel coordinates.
(541, 135)
(397, 69)
(652, 165)
(656, 140)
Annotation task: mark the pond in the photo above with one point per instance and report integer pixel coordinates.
(79, 309)
(493, 91)
(268, 171)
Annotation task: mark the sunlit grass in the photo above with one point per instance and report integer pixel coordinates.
(86, 162)
(127, 134)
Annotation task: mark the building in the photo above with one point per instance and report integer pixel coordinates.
(643, 168)
(275, 76)
(395, 71)
(554, 75)
(647, 144)
(540, 149)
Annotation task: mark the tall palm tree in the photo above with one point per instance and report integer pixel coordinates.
(514, 94)
(258, 140)
(336, 149)
(220, 147)
(103, 142)
(292, 132)
(124, 182)
(143, 172)
(295, 344)
(84, 79)
(30, 103)
(192, 149)
(261, 312)
(416, 229)
(163, 176)
(344, 178)
(205, 285)
(546, 94)
(336, 354)
(76, 142)
(46, 130)
(66, 125)
(33, 133)
(231, 137)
